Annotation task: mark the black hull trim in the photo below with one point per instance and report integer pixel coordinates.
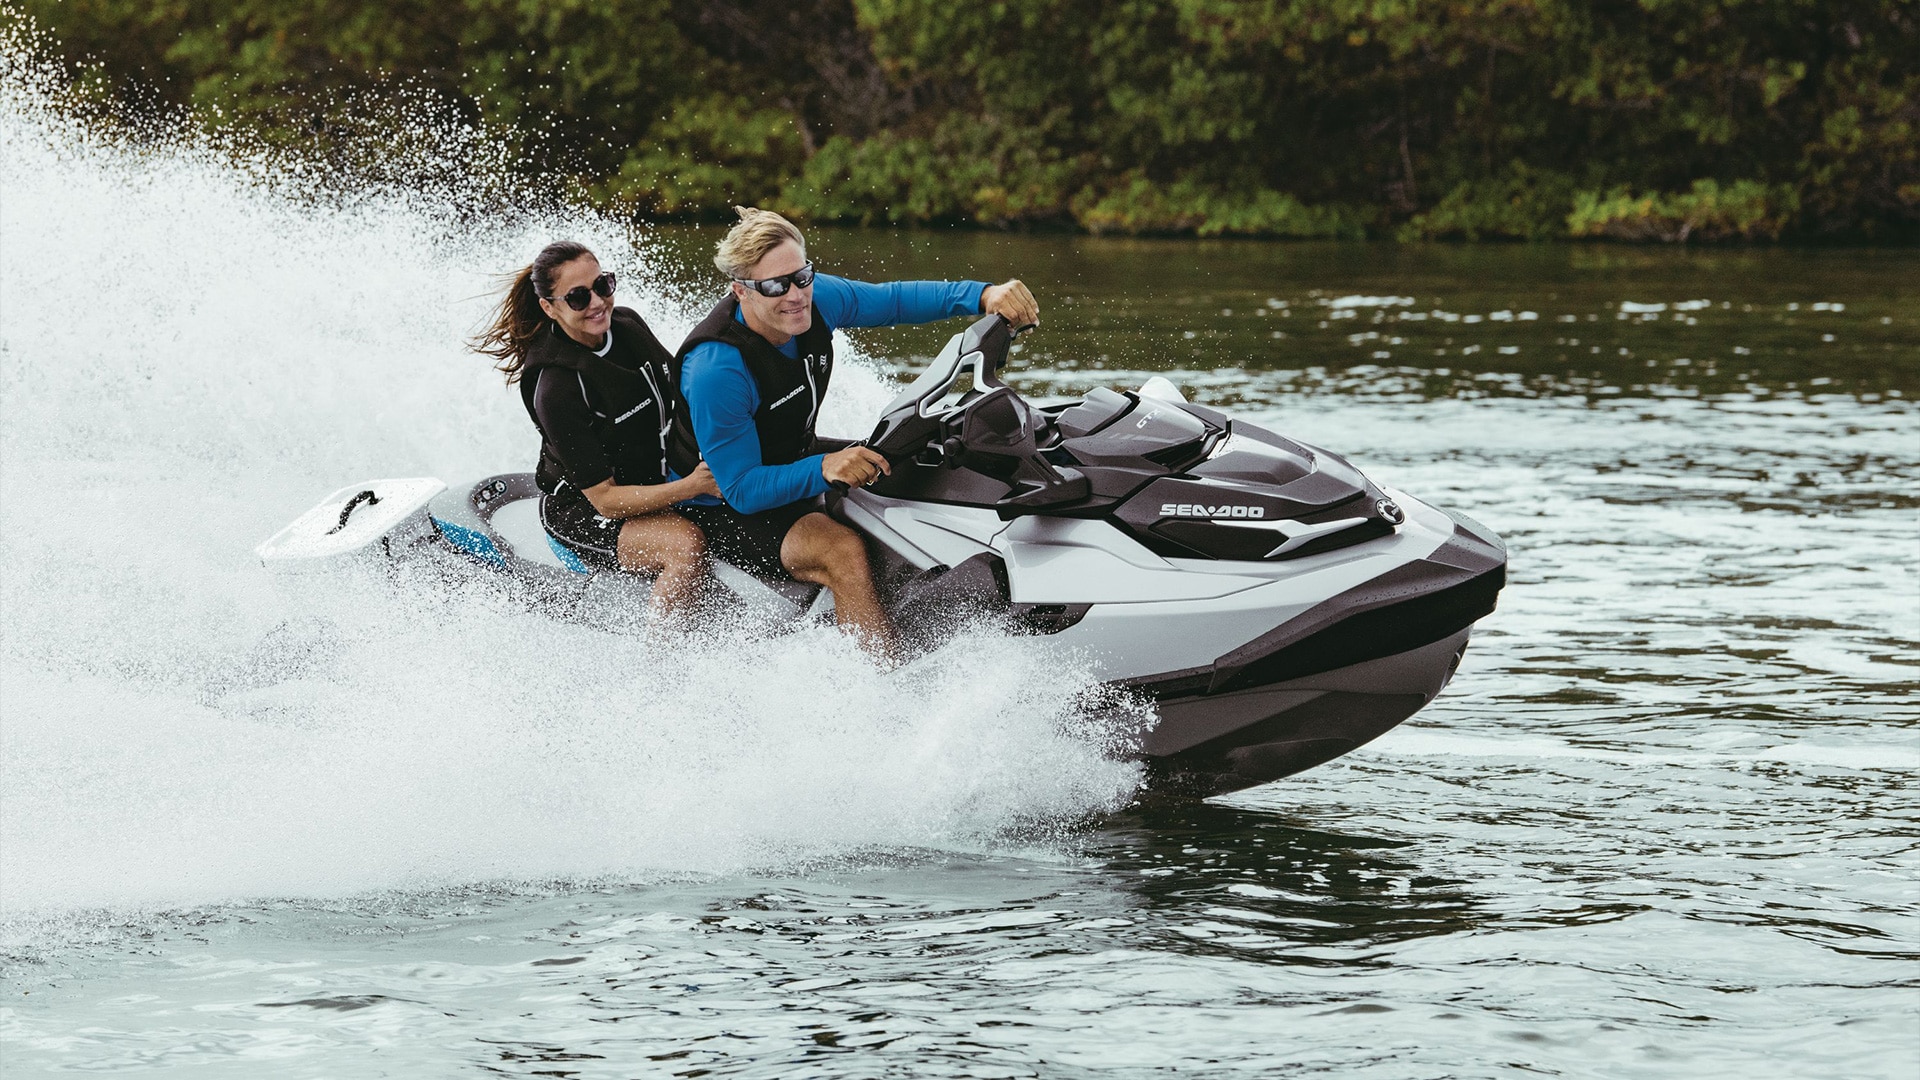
(1381, 632)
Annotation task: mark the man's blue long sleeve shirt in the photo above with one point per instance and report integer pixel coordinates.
(722, 397)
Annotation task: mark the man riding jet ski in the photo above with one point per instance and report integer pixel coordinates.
(1278, 607)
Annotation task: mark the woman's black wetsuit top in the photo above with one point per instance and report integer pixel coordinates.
(604, 416)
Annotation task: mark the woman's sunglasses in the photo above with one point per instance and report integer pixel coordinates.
(578, 297)
(778, 286)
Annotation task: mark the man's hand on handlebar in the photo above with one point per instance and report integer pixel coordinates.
(856, 466)
(1013, 301)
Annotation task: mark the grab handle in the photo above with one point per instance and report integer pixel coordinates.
(353, 504)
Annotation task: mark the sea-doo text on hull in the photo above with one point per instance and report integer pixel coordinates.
(1278, 607)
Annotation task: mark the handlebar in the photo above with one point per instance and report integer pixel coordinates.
(977, 339)
(842, 486)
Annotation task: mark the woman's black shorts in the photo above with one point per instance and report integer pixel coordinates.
(749, 541)
(569, 518)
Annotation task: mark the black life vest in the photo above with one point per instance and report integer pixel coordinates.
(632, 398)
(790, 389)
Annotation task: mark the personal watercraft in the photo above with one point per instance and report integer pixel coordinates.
(1277, 607)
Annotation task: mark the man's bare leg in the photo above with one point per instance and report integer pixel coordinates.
(823, 551)
(671, 548)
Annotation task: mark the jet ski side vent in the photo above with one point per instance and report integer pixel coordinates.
(1047, 618)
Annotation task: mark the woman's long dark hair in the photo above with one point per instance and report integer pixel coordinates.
(519, 317)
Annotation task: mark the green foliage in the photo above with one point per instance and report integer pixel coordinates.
(966, 169)
(709, 152)
(1744, 210)
(1469, 119)
(1139, 205)
(1522, 204)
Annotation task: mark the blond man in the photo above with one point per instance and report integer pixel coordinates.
(753, 373)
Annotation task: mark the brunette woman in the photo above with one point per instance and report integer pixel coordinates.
(598, 385)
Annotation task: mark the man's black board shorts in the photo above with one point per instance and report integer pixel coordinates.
(749, 541)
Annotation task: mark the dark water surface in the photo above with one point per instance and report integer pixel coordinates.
(1663, 823)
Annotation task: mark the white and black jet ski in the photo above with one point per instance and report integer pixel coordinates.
(1278, 607)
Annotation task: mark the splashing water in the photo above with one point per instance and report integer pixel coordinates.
(196, 343)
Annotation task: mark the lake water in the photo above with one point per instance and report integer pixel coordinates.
(1663, 823)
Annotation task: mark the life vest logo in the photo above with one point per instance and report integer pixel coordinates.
(790, 395)
(1202, 510)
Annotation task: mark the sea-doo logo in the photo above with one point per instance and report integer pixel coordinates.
(1202, 510)
(790, 395)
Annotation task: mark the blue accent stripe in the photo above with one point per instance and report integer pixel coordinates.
(566, 556)
(473, 542)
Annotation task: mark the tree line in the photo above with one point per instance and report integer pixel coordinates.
(1468, 119)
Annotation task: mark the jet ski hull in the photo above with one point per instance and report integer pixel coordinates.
(1277, 607)
(1252, 683)
(1330, 679)
(1254, 675)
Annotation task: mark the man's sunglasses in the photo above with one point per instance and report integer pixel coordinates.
(578, 297)
(778, 286)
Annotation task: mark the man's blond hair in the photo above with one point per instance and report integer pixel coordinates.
(752, 237)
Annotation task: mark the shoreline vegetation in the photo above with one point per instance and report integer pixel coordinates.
(1641, 121)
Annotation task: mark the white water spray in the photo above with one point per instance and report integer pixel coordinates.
(194, 345)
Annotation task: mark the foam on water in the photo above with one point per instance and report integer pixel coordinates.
(195, 344)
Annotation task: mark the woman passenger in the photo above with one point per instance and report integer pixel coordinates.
(597, 384)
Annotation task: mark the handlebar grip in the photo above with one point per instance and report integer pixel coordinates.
(842, 486)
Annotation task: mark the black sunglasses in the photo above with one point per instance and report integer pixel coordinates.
(577, 297)
(778, 286)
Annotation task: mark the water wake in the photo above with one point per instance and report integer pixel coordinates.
(196, 344)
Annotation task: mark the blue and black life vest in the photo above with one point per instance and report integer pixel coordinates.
(790, 388)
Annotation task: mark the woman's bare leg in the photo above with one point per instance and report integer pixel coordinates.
(672, 549)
